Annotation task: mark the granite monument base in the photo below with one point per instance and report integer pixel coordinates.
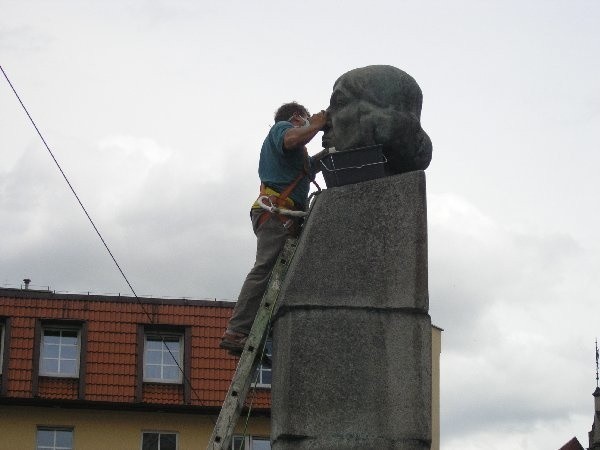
(352, 335)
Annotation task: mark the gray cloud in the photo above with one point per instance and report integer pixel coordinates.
(506, 301)
(156, 110)
(23, 38)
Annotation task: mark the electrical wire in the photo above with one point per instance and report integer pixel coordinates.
(187, 380)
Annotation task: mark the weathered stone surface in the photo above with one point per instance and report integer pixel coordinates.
(352, 336)
(351, 379)
(365, 245)
(379, 105)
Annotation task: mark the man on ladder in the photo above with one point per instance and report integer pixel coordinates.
(285, 172)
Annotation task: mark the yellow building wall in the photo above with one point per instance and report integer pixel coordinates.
(436, 350)
(109, 430)
(122, 430)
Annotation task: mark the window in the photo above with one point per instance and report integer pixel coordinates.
(154, 440)
(1, 346)
(163, 356)
(59, 356)
(264, 372)
(54, 438)
(250, 443)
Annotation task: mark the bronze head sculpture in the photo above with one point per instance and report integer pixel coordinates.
(379, 105)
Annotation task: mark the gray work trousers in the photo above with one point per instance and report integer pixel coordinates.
(270, 239)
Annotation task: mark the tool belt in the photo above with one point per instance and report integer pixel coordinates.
(276, 198)
(280, 199)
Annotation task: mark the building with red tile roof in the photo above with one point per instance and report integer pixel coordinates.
(99, 372)
(115, 372)
(573, 444)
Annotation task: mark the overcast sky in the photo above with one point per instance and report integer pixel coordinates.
(156, 111)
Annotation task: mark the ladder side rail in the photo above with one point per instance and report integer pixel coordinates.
(251, 356)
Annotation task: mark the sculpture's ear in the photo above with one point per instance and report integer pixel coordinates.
(424, 150)
(406, 145)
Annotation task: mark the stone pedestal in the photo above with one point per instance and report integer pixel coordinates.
(352, 334)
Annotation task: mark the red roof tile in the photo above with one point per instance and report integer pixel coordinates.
(112, 346)
(58, 388)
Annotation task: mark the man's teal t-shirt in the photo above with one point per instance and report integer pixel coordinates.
(278, 168)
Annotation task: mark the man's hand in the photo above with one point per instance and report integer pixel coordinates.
(296, 138)
(319, 120)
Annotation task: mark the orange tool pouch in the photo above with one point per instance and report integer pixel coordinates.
(281, 200)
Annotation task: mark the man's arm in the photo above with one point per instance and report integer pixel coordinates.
(297, 138)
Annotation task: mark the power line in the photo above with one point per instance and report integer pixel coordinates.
(68, 182)
(187, 380)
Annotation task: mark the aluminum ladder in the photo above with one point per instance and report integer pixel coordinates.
(252, 354)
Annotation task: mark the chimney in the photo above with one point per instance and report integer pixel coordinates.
(26, 281)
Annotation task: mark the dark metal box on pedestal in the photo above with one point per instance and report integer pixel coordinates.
(353, 165)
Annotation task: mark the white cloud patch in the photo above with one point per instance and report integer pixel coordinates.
(156, 111)
(144, 151)
(22, 38)
(512, 304)
(178, 227)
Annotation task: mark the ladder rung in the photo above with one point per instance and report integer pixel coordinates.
(250, 359)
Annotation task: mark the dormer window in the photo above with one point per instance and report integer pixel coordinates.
(163, 358)
(60, 350)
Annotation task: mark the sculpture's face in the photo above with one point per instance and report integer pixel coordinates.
(378, 105)
(345, 111)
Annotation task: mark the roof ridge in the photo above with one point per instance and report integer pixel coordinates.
(47, 294)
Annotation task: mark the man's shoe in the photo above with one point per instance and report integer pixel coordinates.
(234, 342)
